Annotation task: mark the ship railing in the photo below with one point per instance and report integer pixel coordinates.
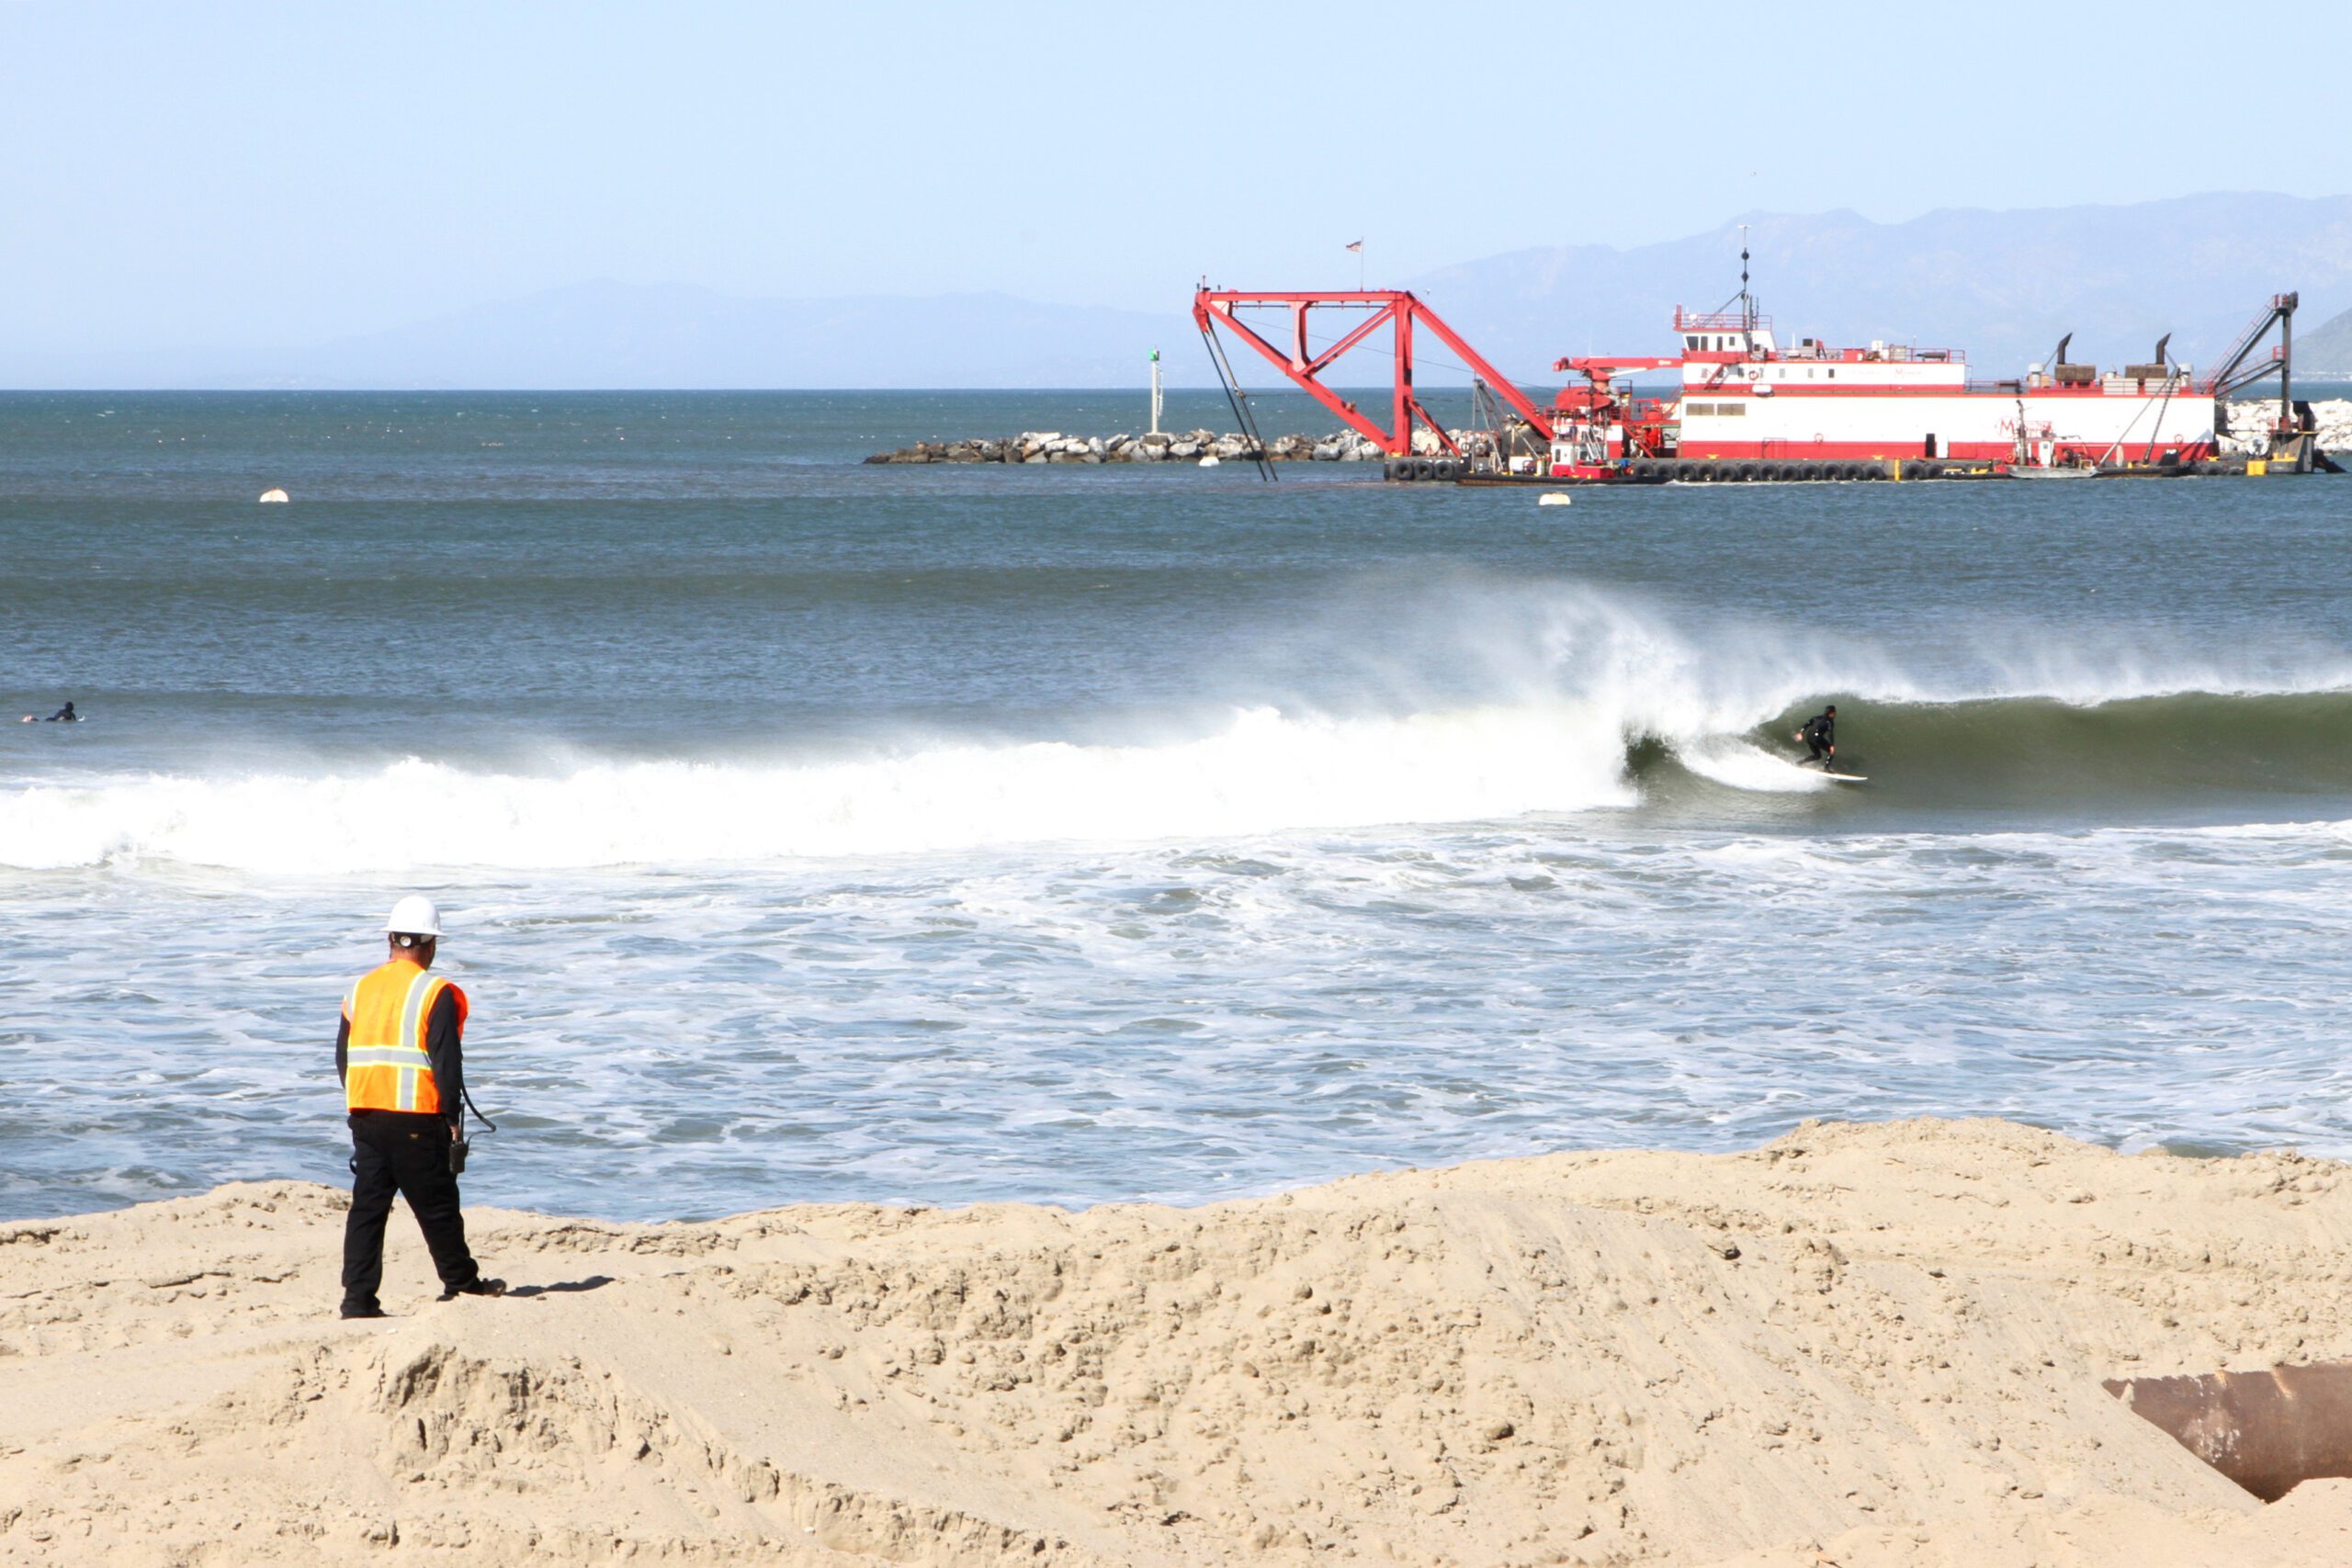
(1893, 354)
(2112, 382)
(1719, 322)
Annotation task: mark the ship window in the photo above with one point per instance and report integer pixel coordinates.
(1691, 342)
(1731, 410)
(1833, 375)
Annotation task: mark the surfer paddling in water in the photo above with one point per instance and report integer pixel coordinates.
(63, 715)
(1820, 735)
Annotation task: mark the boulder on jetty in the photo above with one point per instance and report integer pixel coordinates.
(1159, 447)
(2250, 419)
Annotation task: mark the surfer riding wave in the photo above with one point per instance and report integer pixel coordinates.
(1820, 735)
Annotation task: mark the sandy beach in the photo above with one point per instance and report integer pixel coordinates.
(1862, 1344)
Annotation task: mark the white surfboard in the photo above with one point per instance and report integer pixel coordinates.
(1849, 778)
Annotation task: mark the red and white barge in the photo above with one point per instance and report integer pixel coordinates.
(1747, 396)
(1747, 404)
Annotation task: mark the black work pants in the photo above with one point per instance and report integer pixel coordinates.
(400, 1152)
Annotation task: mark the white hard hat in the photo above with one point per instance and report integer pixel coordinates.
(414, 915)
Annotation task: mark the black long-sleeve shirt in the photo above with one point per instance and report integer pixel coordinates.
(442, 1048)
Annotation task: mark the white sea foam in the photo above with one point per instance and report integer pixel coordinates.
(1263, 772)
(1743, 766)
(1167, 1023)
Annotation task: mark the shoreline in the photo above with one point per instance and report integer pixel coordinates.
(1884, 1342)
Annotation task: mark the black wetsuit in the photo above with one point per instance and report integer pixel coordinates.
(64, 715)
(1820, 735)
(406, 1154)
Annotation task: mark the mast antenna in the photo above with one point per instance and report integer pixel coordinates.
(1747, 303)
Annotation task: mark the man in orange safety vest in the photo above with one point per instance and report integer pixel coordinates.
(398, 1055)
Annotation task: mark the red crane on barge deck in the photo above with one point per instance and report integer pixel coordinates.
(1305, 364)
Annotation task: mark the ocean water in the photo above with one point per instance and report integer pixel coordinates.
(809, 830)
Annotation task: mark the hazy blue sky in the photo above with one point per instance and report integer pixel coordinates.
(183, 174)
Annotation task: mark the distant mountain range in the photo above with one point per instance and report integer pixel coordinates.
(2002, 285)
(2324, 353)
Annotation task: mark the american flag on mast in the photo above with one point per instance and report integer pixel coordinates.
(1355, 245)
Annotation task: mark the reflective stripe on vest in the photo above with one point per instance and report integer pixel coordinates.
(386, 1067)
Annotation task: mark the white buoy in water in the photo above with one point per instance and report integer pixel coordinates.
(1553, 498)
(274, 497)
(1210, 461)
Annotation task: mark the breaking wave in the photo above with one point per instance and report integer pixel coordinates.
(2150, 750)
(1575, 702)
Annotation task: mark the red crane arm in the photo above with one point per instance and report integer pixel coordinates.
(1602, 366)
(1205, 312)
(1395, 308)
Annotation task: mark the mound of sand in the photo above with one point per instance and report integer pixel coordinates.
(1864, 1344)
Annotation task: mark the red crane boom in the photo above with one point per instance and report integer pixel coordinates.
(1304, 365)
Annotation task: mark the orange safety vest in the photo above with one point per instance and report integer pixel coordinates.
(385, 1065)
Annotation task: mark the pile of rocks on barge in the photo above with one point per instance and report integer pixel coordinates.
(1188, 446)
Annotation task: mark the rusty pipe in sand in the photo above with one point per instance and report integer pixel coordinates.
(2263, 1430)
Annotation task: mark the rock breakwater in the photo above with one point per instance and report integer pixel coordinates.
(2249, 420)
(1187, 446)
(2250, 424)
